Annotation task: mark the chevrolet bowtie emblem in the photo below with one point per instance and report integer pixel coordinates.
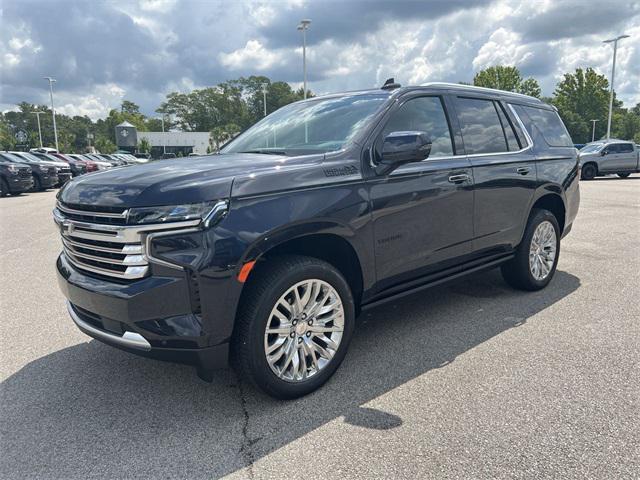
(67, 227)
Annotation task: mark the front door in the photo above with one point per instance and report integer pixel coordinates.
(422, 212)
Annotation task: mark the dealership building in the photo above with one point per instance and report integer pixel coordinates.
(128, 138)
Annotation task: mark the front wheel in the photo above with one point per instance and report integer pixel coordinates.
(294, 325)
(536, 257)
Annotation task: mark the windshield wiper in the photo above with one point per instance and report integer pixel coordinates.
(265, 151)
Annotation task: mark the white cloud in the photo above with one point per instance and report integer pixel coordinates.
(254, 55)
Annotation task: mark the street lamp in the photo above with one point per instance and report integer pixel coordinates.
(264, 96)
(303, 26)
(613, 74)
(37, 114)
(53, 112)
(164, 139)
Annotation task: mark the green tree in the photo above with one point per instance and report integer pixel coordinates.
(506, 78)
(129, 107)
(580, 97)
(144, 146)
(104, 145)
(222, 134)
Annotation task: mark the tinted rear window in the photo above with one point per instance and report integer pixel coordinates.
(550, 126)
(625, 147)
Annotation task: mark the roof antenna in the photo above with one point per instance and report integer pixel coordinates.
(390, 84)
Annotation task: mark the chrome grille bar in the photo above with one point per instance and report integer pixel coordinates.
(116, 251)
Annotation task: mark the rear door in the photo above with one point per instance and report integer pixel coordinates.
(504, 171)
(624, 158)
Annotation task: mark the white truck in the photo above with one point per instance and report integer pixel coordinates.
(609, 156)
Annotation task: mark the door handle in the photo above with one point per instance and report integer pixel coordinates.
(523, 170)
(463, 177)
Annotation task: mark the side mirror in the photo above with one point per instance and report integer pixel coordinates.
(603, 152)
(399, 148)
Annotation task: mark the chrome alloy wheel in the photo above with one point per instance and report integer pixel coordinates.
(542, 252)
(304, 330)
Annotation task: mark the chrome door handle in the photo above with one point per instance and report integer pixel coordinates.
(523, 170)
(463, 177)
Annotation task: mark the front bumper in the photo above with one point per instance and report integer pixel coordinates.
(48, 181)
(20, 184)
(151, 317)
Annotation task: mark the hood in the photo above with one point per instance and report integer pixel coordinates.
(169, 182)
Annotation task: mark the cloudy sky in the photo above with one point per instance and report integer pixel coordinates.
(102, 51)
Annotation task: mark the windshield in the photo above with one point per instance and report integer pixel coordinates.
(592, 148)
(315, 126)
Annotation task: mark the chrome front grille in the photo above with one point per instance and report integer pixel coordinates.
(99, 241)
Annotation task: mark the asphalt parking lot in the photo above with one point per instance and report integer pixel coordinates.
(468, 380)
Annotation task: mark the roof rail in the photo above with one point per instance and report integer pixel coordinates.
(482, 89)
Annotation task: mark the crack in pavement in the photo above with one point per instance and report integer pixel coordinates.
(246, 450)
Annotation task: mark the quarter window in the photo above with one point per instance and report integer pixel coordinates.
(423, 114)
(550, 126)
(480, 124)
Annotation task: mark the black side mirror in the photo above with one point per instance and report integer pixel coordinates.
(399, 148)
(603, 152)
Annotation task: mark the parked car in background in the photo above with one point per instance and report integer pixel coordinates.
(45, 174)
(609, 156)
(264, 254)
(15, 178)
(99, 161)
(78, 167)
(64, 169)
(90, 164)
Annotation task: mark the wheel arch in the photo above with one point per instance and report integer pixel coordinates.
(553, 202)
(326, 245)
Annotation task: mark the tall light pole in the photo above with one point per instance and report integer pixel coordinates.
(164, 138)
(264, 97)
(37, 114)
(613, 74)
(304, 26)
(53, 112)
(593, 130)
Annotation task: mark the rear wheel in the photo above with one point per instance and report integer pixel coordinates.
(623, 175)
(589, 171)
(4, 188)
(294, 325)
(537, 255)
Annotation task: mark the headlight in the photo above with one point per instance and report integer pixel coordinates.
(13, 169)
(171, 213)
(43, 168)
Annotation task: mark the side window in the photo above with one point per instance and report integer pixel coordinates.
(424, 114)
(626, 148)
(613, 148)
(550, 126)
(512, 140)
(481, 128)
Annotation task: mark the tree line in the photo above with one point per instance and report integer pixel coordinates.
(232, 106)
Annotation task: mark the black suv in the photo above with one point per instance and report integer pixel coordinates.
(15, 178)
(266, 253)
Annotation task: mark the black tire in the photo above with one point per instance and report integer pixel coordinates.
(623, 175)
(517, 272)
(37, 184)
(589, 171)
(4, 188)
(267, 283)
